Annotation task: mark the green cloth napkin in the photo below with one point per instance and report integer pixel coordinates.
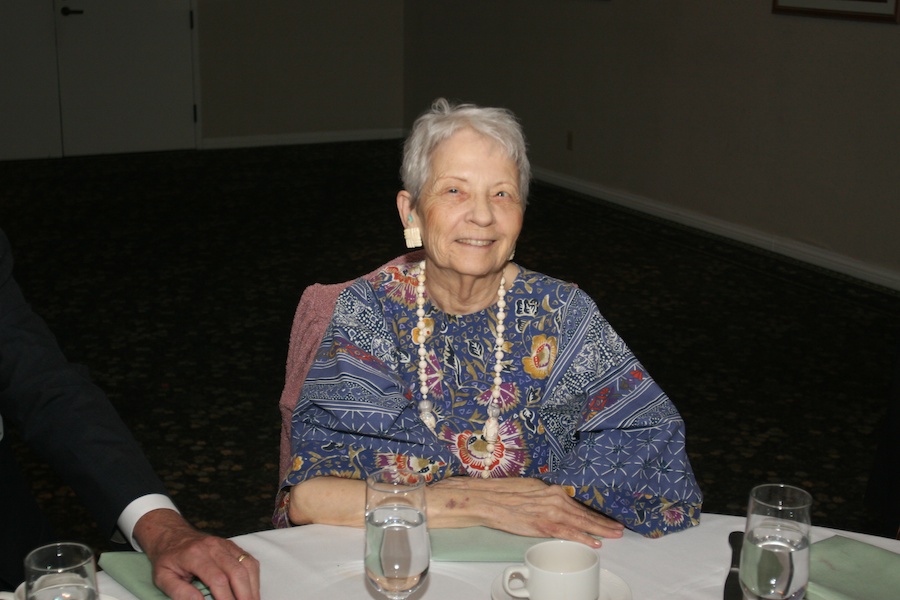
(841, 568)
(135, 573)
(479, 544)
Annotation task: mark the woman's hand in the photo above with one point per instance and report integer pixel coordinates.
(519, 505)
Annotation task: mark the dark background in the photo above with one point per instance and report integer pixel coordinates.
(174, 277)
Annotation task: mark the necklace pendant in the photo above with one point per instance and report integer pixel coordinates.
(429, 420)
(491, 431)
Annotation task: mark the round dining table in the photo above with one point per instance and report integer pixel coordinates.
(326, 562)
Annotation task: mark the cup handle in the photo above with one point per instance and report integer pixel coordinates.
(519, 572)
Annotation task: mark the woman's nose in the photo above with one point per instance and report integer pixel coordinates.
(481, 211)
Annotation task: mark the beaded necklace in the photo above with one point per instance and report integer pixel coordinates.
(491, 429)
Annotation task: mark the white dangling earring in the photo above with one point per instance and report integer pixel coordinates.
(412, 235)
(512, 254)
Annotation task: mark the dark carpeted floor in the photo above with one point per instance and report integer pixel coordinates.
(174, 277)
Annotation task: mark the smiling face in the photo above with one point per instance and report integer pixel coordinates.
(470, 212)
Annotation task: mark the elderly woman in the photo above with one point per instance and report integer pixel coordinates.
(506, 388)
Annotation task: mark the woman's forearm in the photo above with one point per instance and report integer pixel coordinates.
(328, 501)
(519, 505)
(339, 501)
(467, 501)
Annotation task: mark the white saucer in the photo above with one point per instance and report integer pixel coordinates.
(612, 587)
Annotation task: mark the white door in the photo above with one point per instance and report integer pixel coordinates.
(125, 75)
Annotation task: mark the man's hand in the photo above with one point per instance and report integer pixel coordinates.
(179, 553)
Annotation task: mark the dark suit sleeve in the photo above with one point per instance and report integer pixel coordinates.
(61, 414)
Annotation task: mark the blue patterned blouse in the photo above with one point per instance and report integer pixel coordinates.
(577, 408)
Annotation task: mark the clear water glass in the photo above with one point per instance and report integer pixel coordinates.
(775, 554)
(398, 550)
(61, 571)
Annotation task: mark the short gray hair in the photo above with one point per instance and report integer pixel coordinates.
(442, 121)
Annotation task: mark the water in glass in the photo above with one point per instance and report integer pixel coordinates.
(397, 549)
(67, 591)
(774, 564)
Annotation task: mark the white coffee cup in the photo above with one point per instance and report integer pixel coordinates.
(554, 570)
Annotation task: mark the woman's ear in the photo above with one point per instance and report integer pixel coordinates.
(411, 232)
(404, 208)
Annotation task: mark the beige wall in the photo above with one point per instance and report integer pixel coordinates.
(285, 69)
(784, 127)
(779, 130)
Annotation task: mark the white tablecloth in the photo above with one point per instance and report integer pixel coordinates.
(325, 562)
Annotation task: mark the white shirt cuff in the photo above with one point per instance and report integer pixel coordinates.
(137, 509)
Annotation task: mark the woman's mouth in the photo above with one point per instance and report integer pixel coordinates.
(476, 242)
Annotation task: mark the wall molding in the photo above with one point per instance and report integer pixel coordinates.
(779, 245)
(320, 137)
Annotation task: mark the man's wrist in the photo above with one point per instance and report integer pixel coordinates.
(137, 509)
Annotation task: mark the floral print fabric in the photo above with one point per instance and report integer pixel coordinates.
(577, 408)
